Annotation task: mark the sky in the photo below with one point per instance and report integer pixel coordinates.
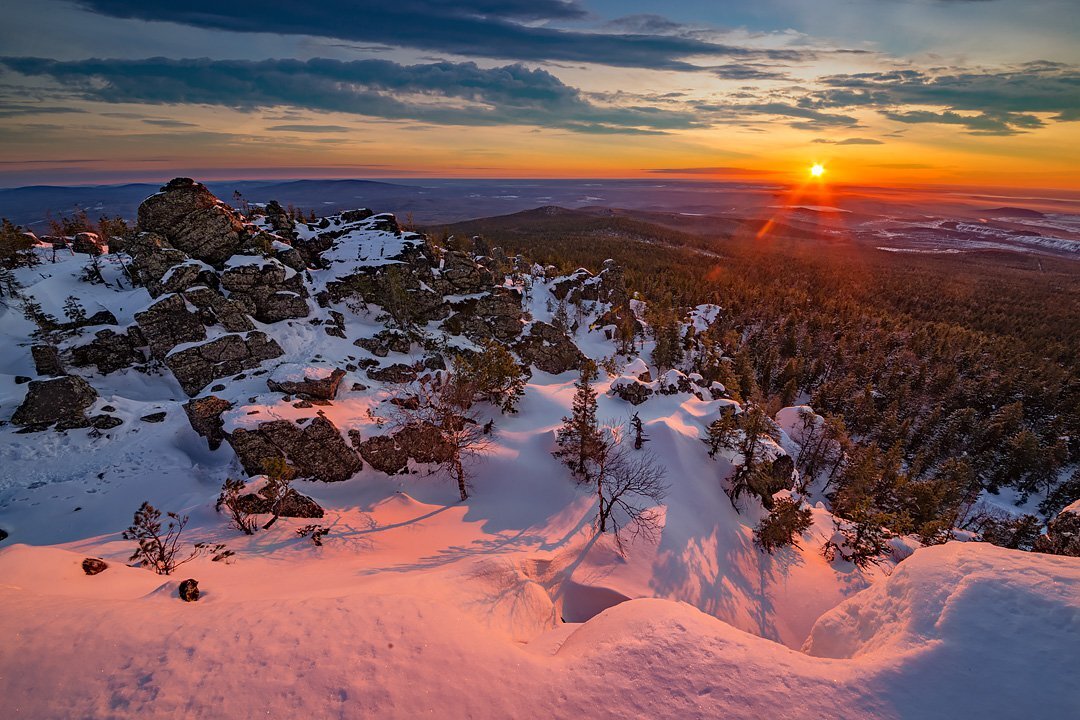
(882, 92)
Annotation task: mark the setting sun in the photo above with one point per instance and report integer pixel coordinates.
(817, 170)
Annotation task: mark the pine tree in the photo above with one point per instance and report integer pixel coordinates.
(580, 441)
(721, 432)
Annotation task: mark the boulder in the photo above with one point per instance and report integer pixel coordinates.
(154, 417)
(189, 590)
(316, 449)
(464, 274)
(105, 422)
(88, 243)
(198, 366)
(549, 349)
(168, 323)
(110, 351)
(47, 360)
(422, 443)
(93, 566)
(386, 341)
(396, 373)
(49, 401)
(316, 383)
(193, 221)
(674, 382)
(293, 505)
(204, 414)
(779, 476)
(266, 289)
(215, 309)
(631, 390)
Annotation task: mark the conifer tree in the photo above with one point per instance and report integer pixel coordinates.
(580, 441)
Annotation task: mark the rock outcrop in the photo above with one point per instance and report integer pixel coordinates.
(306, 382)
(549, 349)
(110, 351)
(168, 323)
(63, 399)
(632, 391)
(291, 505)
(204, 414)
(265, 289)
(193, 221)
(390, 454)
(315, 449)
(47, 360)
(198, 366)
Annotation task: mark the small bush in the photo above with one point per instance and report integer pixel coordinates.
(229, 499)
(159, 548)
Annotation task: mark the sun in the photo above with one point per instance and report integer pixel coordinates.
(817, 170)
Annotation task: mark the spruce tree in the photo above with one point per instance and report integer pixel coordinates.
(580, 442)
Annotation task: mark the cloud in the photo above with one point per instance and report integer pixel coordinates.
(1003, 101)
(18, 109)
(310, 128)
(981, 124)
(805, 118)
(708, 171)
(504, 29)
(165, 122)
(441, 93)
(748, 71)
(849, 141)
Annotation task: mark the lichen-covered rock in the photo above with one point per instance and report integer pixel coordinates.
(168, 323)
(309, 382)
(57, 399)
(88, 243)
(421, 443)
(384, 342)
(396, 373)
(292, 505)
(779, 476)
(189, 590)
(464, 274)
(632, 391)
(216, 309)
(315, 449)
(549, 349)
(204, 414)
(105, 422)
(266, 289)
(198, 366)
(110, 351)
(94, 566)
(47, 360)
(496, 315)
(193, 221)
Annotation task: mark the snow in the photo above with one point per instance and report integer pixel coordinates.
(505, 605)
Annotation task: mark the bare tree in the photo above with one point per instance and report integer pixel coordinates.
(629, 486)
(444, 402)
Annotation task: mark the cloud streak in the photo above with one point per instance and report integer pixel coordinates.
(441, 93)
(502, 29)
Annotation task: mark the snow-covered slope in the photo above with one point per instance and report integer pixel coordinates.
(504, 605)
